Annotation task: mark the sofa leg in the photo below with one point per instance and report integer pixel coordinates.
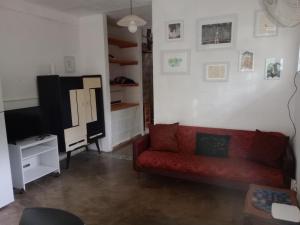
(138, 174)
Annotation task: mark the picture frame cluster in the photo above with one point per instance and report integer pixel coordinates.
(217, 33)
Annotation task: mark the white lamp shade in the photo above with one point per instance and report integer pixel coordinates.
(132, 27)
(127, 21)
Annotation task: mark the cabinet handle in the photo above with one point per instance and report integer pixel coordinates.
(70, 145)
(26, 166)
(96, 135)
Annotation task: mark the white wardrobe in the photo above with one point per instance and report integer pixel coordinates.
(6, 189)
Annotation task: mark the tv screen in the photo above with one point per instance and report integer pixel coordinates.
(24, 123)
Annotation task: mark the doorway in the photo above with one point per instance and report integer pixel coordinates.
(147, 46)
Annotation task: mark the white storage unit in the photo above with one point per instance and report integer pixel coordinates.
(32, 159)
(6, 190)
(125, 124)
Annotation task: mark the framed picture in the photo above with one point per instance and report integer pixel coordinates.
(175, 30)
(216, 32)
(216, 71)
(264, 25)
(273, 68)
(69, 64)
(246, 62)
(175, 62)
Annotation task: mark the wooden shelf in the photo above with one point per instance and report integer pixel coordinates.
(121, 106)
(36, 150)
(124, 85)
(121, 43)
(37, 172)
(123, 62)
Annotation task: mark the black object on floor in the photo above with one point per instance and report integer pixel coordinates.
(47, 216)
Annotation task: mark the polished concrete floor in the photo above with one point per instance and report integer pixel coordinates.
(104, 190)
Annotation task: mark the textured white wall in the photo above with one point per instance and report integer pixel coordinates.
(296, 100)
(297, 138)
(246, 101)
(32, 38)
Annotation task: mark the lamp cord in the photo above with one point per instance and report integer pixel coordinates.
(289, 103)
(131, 7)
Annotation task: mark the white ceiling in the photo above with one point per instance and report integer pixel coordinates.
(87, 7)
(144, 11)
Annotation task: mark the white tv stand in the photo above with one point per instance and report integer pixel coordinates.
(33, 158)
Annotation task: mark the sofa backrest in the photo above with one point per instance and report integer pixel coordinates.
(240, 140)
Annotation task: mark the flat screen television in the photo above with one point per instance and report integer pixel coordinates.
(24, 123)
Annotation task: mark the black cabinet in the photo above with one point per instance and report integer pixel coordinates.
(73, 109)
(94, 107)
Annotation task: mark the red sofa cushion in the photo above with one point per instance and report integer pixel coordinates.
(232, 169)
(239, 146)
(163, 137)
(268, 148)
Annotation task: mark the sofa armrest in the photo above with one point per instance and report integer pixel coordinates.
(140, 145)
(289, 166)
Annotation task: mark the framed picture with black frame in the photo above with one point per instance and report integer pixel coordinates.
(175, 30)
(217, 32)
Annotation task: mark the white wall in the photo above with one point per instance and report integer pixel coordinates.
(296, 101)
(32, 38)
(246, 101)
(94, 60)
(297, 137)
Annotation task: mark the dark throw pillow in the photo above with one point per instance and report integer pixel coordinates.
(268, 148)
(212, 145)
(163, 137)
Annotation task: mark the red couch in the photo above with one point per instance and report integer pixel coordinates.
(236, 171)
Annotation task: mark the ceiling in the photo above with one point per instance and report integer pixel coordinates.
(144, 11)
(88, 7)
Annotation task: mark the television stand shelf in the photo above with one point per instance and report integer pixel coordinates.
(33, 158)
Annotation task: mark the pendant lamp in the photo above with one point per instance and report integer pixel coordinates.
(131, 21)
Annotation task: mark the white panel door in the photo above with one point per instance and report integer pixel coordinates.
(6, 189)
(1, 99)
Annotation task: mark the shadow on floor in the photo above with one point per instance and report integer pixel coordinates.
(105, 190)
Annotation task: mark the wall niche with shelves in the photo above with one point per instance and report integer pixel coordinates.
(125, 57)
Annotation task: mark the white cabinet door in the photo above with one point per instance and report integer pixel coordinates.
(124, 125)
(93, 105)
(92, 82)
(89, 85)
(77, 136)
(6, 189)
(74, 108)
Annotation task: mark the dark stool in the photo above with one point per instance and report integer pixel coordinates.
(46, 216)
